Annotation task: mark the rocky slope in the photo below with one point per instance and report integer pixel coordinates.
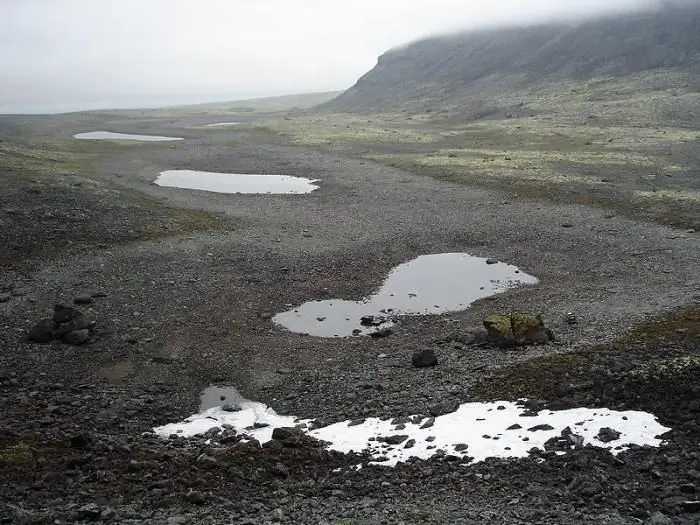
(489, 64)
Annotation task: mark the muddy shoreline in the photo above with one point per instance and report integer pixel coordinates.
(181, 312)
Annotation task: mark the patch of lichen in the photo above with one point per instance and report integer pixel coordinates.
(659, 347)
(16, 452)
(678, 326)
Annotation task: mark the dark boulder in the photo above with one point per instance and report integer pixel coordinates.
(424, 358)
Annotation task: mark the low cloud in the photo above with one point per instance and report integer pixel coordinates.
(73, 54)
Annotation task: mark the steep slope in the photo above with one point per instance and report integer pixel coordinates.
(486, 64)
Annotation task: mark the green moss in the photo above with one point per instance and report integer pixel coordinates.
(653, 340)
(16, 453)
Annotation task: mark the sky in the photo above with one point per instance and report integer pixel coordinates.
(68, 55)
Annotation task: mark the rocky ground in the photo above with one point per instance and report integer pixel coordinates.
(182, 307)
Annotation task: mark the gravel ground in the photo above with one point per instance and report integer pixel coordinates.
(177, 314)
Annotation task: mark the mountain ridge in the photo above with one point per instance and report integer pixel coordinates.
(455, 68)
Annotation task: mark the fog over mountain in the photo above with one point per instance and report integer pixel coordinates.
(59, 55)
(468, 68)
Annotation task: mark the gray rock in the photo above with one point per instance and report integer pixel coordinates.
(443, 407)
(63, 314)
(177, 520)
(393, 440)
(79, 322)
(77, 337)
(206, 461)
(43, 331)
(424, 358)
(372, 320)
(83, 299)
(108, 513)
(428, 423)
(659, 518)
(230, 408)
(381, 333)
(607, 434)
(537, 428)
(91, 511)
(19, 292)
(4, 297)
(196, 497)
(491, 260)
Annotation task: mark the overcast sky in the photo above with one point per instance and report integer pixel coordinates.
(60, 55)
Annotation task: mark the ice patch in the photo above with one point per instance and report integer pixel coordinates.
(476, 431)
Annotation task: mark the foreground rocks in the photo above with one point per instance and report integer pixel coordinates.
(68, 325)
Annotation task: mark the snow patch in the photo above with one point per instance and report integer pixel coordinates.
(476, 431)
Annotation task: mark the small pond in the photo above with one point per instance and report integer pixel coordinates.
(108, 135)
(235, 182)
(430, 284)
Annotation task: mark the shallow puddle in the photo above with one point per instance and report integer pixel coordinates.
(108, 135)
(473, 433)
(217, 396)
(430, 284)
(235, 182)
(221, 124)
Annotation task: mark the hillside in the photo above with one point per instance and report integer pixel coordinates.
(497, 63)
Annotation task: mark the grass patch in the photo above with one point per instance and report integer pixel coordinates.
(662, 344)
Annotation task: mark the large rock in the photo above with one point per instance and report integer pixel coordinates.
(424, 358)
(516, 329)
(63, 314)
(77, 337)
(43, 331)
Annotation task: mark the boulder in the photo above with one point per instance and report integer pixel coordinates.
(63, 314)
(516, 329)
(500, 330)
(424, 358)
(290, 436)
(79, 322)
(443, 407)
(77, 337)
(43, 331)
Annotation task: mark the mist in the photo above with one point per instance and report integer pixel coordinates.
(69, 55)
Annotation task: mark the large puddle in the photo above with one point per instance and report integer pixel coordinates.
(108, 135)
(474, 432)
(235, 182)
(430, 284)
